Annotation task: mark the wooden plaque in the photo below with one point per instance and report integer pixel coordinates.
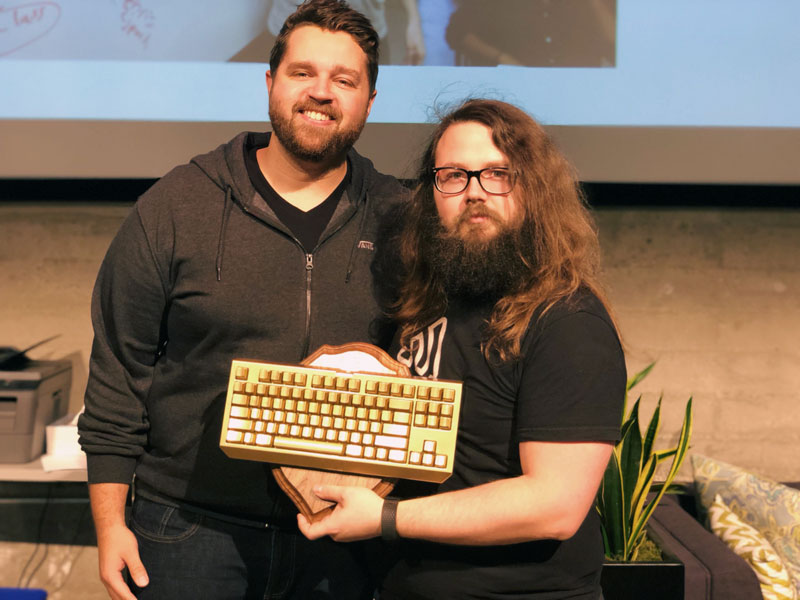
(298, 482)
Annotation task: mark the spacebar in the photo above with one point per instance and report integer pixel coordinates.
(308, 445)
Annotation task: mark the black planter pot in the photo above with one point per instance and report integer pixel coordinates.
(645, 580)
(642, 581)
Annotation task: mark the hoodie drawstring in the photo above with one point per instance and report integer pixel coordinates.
(223, 226)
(357, 239)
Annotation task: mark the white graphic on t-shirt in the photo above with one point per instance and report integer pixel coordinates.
(425, 351)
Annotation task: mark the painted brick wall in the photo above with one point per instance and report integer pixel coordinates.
(712, 295)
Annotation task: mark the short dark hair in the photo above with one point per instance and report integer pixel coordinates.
(331, 15)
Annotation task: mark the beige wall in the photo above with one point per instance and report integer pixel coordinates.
(712, 295)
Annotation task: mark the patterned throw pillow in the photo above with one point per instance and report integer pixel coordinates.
(772, 508)
(747, 542)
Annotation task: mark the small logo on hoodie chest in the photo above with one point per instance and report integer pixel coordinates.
(365, 245)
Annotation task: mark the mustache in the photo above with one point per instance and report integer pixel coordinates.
(477, 210)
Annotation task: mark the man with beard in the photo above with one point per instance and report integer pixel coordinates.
(260, 248)
(498, 288)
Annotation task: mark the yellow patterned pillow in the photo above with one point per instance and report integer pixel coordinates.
(772, 508)
(747, 542)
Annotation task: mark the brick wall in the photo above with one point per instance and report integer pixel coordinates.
(712, 295)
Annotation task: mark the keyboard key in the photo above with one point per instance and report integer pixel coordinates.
(242, 424)
(308, 445)
(399, 404)
(397, 456)
(394, 429)
(354, 450)
(388, 441)
(402, 417)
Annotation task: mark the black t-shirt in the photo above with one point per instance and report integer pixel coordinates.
(568, 385)
(306, 226)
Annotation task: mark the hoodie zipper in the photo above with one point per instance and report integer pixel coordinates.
(309, 268)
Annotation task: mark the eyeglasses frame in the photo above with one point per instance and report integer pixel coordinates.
(477, 175)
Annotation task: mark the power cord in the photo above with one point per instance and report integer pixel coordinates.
(39, 530)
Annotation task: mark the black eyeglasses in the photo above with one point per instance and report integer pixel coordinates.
(454, 180)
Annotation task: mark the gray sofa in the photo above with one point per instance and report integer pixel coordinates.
(712, 571)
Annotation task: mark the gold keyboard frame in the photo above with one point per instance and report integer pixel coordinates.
(251, 383)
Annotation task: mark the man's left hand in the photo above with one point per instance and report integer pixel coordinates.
(356, 516)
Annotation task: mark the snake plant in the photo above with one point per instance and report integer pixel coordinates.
(624, 501)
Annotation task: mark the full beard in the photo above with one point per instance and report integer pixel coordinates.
(471, 265)
(314, 146)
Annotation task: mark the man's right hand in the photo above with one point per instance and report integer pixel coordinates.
(117, 547)
(116, 550)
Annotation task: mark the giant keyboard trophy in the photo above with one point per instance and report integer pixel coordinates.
(347, 415)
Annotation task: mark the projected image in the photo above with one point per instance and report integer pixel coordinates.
(540, 33)
(534, 33)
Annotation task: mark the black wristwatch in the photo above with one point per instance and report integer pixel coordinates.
(389, 520)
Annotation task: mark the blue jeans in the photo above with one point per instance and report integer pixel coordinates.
(188, 555)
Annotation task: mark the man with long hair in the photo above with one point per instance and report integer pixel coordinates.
(260, 248)
(498, 287)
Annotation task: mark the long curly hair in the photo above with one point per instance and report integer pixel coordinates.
(559, 248)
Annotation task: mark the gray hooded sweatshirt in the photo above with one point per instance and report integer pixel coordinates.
(202, 272)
